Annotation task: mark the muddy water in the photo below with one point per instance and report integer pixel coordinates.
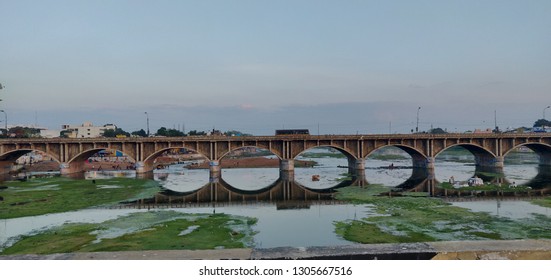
(307, 214)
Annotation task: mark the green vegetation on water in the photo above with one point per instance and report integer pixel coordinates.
(59, 194)
(423, 219)
(388, 157)
(546, 202)
(487, 187)
(323, 155)
(152, 230)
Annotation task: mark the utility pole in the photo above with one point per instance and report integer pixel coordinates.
(5, 115)
(495, 121)
(318, 128)
(147, 116)
(6, 121)
(417, 126)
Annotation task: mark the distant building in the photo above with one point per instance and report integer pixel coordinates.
(49, 133)
(86, 130)
(480, 131)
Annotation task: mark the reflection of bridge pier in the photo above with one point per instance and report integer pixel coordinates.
(490, 173)
(542, 179)
(359, 178)
(284, 189)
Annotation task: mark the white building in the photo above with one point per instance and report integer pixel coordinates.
(86, 130)
(49, 133)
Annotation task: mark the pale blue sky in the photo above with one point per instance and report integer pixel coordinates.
(351, 66)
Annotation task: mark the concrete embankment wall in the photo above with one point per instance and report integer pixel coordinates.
(446, 250)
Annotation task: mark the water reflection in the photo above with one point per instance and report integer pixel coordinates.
(289, 206)
(284, 189)
(193, 186)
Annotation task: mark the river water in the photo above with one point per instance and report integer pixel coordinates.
(299, 212)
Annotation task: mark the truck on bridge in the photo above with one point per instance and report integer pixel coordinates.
(292, 132)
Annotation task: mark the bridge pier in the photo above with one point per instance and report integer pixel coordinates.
(145, 175)
(7, 167)
(140, 167)
(422, 162)
(71, 168)
(287, 165)
(356, 165)
(545, 159)
(287, 175)
(214, 168)
(359, 178)
(489, 164)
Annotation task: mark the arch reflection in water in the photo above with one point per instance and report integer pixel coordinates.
(521, 165)
(424, 180)
(284, 192)
(250, 179)
(179, 179)
(331, 168)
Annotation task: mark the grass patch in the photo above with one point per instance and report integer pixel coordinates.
(491, 175)
(387, 157)
(372, 234)
(423, 219)
(155, 230)
(323, 155)
(59, 194)
(487, 187)
(546, 202)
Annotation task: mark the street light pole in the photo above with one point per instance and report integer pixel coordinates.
(147, 116)
(417, 126)
(5, 115)
(544, 111)
(5, 121)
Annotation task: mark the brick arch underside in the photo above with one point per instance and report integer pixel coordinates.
(542, 150)
(274, 152)
(483, 157)
(149, 162)
(76, 164)
(10, 157)
(81, 157)
(346, 153)
(418, 158)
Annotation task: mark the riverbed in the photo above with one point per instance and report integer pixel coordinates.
(308, 212)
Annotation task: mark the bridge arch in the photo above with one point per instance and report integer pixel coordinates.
(541, 149)
(275, 153)
(77, 163)
(347, 153)
(419, 159)
(261, 147)
(475, 149)
(8, 159)
(149, 162)
(395, 172)
(484, 158)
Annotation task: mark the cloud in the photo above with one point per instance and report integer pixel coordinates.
(246, 106)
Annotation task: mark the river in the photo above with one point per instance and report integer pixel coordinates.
(305, 213)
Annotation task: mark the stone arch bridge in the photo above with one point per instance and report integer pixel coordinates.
(488, 149)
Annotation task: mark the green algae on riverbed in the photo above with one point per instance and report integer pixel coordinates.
(60, 194)
(546, 202)
(487, 187)
(152, 230)
(423, 219)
